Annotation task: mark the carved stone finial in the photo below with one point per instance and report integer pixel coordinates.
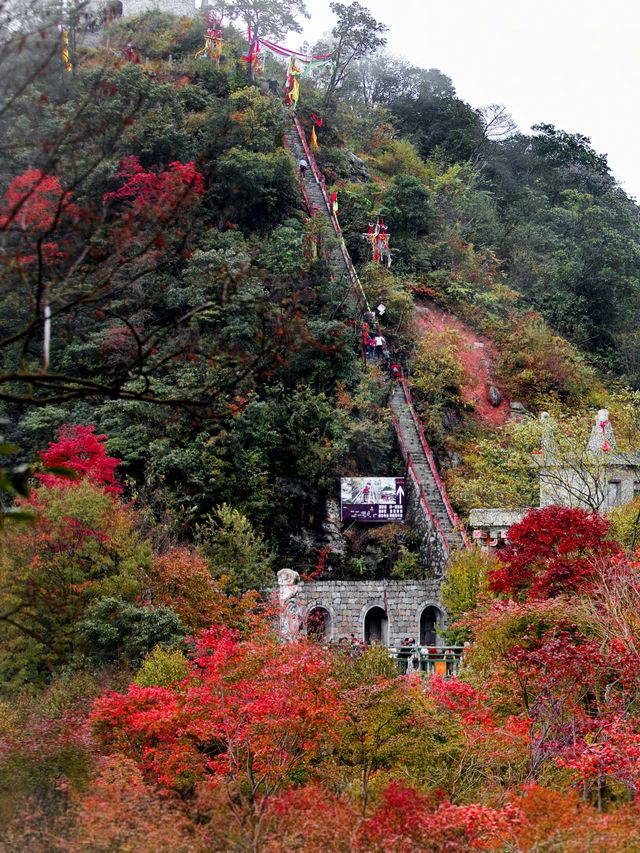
(602, 437)
(547, 438)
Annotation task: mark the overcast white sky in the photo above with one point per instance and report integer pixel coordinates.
(572, 63)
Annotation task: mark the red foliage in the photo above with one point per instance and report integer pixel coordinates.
(309, 819)
(552, 551)
(153, 195)
(121, 812)
(249, 713)
(83, 452)
(34, 201)
(406, 821)
(462, 698)
(610, 749)
(180, 579)
(559, 820)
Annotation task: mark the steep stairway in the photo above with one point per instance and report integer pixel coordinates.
(317, 201)
(422, 468)
(431, 497)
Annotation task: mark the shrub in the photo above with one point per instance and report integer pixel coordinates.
(115, 630)
(162, 668)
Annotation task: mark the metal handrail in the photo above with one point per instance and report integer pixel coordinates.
(428, 657)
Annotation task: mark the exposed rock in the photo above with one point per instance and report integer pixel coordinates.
(454, 459)
(517, 409)
(332, 530)
(359, 171)
(449, 420)
(302, 545)
(495, 397)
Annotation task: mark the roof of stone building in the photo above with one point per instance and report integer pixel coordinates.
(498, 517)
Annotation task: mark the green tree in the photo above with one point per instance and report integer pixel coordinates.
(464, 584)
(267, 18)
(162, 668)
(254, 190)
(83, 547)
(381, 713)
(408, 207)
(407, 565)
(236, 554)
(437, 122)
(114, 630)
(355, 34)
(564, 149)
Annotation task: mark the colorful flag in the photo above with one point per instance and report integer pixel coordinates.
(65, 51)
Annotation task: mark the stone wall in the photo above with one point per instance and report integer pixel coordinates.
(348, 602)
(137, 7)
(432, 554)
(175, 7)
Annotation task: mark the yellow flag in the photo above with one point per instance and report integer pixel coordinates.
(65, 51)
(314, 139)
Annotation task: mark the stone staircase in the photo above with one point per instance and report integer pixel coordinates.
(422, 468)
(438, 525)
(317, 201)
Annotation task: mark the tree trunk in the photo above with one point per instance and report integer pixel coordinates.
(46, 337)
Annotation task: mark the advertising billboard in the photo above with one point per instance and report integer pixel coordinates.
(372, 499)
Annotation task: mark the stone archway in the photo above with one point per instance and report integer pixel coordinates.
(430, 619)
(376, 626)
(319, 624)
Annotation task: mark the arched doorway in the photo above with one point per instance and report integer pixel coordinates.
(376, 627)
(319, 624)
(429, 621)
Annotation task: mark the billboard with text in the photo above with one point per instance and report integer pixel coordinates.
(372, 499)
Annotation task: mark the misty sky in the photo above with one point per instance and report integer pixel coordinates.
(572, 63)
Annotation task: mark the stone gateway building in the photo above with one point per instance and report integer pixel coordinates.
(384, 611)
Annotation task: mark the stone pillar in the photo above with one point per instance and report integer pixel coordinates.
(289, 586)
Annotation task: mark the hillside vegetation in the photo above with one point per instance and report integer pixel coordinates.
(180, 438)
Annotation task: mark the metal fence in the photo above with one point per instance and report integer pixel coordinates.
(431, 660)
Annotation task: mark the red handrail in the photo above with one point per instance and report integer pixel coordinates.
(455, 521)
(453, 517)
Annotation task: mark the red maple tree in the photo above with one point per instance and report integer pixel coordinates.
(552, 551)
(83, 453)
(250, 716)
